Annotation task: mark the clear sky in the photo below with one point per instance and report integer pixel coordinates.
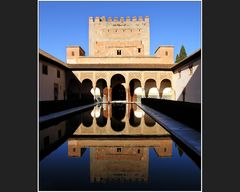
(171, 23)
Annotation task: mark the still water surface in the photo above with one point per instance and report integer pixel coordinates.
(113, 147)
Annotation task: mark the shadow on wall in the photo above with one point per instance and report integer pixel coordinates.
(74, 87)
(78, 94)
(192, 91)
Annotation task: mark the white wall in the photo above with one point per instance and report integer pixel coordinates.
(46, 82)
(191, 83)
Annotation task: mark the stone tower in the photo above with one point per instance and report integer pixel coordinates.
(118, 37)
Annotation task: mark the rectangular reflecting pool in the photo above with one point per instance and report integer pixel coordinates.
(113, 147)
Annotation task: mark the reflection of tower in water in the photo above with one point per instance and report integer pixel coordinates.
(119, 160)
(124, 164)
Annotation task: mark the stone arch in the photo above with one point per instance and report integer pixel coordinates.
(133, 120)
(149, 122)
(101, 120)
(165, 90)
(87, 86)
(97, 113)
(118, 114)
(117, 87)
(87, 119)
(102, 85)
(151, 87)
(133, 85)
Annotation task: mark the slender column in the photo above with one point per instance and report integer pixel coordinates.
(94, 89)
(143, 92)
(127, 91)
(108, 89)
(94, 123)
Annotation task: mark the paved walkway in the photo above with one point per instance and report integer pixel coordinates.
(187, 135)
(62, 113)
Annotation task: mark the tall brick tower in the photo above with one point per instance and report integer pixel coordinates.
(118, 37)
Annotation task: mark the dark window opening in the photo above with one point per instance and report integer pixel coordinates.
(55, 91)
(59, 133)
(139, 50)
(119, 149)
(58, 73)
(165, 149)
(119, 52)
(190, 70)
(72, 53)
(74, 149)
(138, 150)
(166, 53)
(46, 141)
(179, 72)
(45, 69)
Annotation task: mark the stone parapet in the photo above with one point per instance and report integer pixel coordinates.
(119, 19)
(119, 60)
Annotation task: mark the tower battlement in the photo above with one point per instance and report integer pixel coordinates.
(119, 36)
(119, 19)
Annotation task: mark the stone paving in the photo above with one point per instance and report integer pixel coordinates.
(187, 135)
(62, 113)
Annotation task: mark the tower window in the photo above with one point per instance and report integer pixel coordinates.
(166, 53)
(119, 149)
(139, 50)
(72, 53)
(45, 69)
(119, 52)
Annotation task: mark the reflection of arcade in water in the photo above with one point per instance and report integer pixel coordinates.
(118, 119)
(124, 160)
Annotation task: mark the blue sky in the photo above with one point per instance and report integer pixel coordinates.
(171, 23)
